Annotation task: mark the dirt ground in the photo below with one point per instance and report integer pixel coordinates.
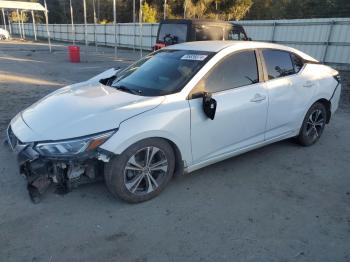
(282, 202)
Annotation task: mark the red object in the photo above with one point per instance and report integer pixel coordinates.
(158, 46)
(74, 53)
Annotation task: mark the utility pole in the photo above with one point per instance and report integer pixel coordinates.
(85, 27)
(3, 15)
(115, 27)
(140, 22)
(47, 26)
(95, 22)
(72, 21)
(185, 9)
(164, 9)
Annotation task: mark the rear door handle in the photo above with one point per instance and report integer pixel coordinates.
(258, 98)
(308, 84)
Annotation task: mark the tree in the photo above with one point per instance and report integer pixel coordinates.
(149, 13)
(239, 9)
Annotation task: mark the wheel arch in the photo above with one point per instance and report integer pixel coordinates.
(181, 156)
(327, 104)
(179, 162)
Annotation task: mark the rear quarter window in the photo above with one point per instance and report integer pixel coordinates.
(298, 62)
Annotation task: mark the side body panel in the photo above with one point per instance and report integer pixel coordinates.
(170, 120)
(239, 122)
(288, 98)
(326, 87)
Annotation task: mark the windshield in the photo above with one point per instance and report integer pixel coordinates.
(161, 73)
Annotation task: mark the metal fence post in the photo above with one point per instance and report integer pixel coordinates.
(3, 15)
(328, 40)
(118, 40)
(105, 31)
(134, 36)
(19, 24)
(34, 26)
(9, 21)
(273, 32)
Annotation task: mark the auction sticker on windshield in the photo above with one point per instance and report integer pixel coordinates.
(194, 57)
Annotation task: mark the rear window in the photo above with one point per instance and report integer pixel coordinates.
(175, 30)
(204, 32)
(278, 63)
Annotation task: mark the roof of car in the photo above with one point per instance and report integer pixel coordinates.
(199, 21)
(217, 46)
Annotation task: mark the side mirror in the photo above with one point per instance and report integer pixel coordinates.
(209, 105)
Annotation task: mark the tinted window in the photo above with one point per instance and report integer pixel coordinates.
(175, 30)
(297, 62)
(278, 63)
(203, 33)
(161, 73)
(235, 35)
(237, 70)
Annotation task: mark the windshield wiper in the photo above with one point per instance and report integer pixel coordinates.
(128, 90)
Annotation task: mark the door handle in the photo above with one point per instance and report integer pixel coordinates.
(258, 98)
(308, 84)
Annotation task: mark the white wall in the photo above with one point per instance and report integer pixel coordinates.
(326, 39)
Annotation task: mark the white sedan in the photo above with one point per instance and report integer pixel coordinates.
(174, 111)
(4, 34)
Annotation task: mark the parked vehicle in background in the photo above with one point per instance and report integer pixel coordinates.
(175, 31)
(4, 34)
(174, 111)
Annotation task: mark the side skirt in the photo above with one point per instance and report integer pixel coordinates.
(237, 152)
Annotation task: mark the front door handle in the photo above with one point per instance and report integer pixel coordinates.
(258, 98)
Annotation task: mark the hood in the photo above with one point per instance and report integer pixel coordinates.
(83, 109)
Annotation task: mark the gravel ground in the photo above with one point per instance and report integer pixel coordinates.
(278, 203)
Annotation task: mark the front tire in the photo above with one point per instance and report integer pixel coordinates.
(313, 125)
(142, 171)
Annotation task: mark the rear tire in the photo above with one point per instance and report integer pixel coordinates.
(313, 125)
(142, 171)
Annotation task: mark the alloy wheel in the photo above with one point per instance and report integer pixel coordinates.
(145, 170)
(315, 124)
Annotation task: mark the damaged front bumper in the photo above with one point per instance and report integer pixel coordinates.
(65, 172)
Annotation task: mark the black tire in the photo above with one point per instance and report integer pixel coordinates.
(310, 133)
(116, 175)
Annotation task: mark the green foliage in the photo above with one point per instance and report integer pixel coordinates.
(59, 11)
(15, 18)
(149, 13)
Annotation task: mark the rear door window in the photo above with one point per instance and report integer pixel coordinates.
(239, 69)
(278, 63)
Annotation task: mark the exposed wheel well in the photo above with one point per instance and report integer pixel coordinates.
(327, 104)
